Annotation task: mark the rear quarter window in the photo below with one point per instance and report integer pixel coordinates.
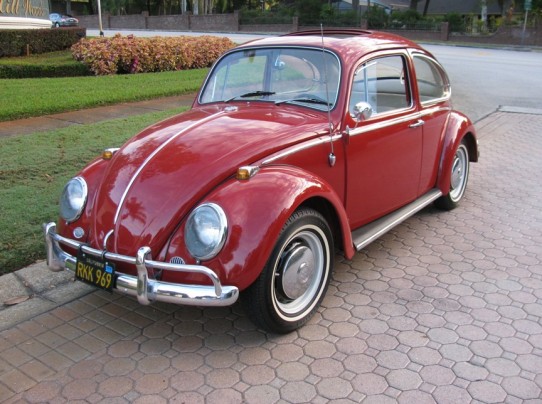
(433, 84)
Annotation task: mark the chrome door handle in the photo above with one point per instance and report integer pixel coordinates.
(417, 124)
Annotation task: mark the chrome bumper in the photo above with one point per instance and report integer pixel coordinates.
(141, 286)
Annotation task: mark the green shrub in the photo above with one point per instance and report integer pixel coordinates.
(25, 71)
(257, 17)
(456, 22)
(377, 18)
(129, 54)
(18, 42)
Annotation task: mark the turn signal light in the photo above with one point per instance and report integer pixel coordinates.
(107, 154)
(246, 172)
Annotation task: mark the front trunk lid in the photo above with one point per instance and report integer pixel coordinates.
(157, 177)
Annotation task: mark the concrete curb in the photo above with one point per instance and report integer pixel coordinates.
(43, 289)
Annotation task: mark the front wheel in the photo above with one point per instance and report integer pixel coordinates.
(458, 180)
(295, 278)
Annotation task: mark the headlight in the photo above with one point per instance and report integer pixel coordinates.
(73, 199)
(205, 231)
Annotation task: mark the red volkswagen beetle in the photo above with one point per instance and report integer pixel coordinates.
(295, 146)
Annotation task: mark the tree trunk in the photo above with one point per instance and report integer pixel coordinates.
(426, 7)
(414, 5)
(355, 6)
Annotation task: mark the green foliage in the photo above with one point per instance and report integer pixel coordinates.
(407, 17)
(37, 71)
(18, 42)
(455, 21)
(130, 54)
(35, 97)
(377, 18)
(54, 64)
(308, 11)
(282, 15)
(34, 172)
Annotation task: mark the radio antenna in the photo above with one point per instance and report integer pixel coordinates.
(331, 157)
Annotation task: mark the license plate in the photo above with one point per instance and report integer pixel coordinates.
(95, 271)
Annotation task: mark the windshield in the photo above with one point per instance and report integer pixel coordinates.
(308, 77)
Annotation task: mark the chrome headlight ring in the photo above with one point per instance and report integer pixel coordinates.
(205, 231)
(73, 199)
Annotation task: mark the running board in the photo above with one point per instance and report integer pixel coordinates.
(370, 232)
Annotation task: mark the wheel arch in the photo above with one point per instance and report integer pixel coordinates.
(329, 212)
(270, 198)
(459, 128)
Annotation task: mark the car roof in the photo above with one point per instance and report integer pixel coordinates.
(345, 42)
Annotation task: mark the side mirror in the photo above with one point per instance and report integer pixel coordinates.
(279, 64)
(362, 111)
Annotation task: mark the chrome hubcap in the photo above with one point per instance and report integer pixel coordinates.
(459, 174)
(298, 271)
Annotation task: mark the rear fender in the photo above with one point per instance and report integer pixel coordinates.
(459, 127)
(256, 210)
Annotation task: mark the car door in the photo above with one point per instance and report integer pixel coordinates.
(384, 150)
(433, 89)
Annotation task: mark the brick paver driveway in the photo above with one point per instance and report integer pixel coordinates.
(445, 308)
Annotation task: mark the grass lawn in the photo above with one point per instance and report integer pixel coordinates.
(33, 171)
(24, 98)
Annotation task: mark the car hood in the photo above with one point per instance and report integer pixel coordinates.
(158, 176)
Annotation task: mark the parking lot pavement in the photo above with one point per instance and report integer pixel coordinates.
(445, 308)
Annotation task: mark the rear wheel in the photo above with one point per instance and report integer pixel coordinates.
(458, 180)
(295, 278)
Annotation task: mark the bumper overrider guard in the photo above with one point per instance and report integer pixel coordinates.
(141, 286)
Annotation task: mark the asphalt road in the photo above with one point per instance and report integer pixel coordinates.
(482, 79)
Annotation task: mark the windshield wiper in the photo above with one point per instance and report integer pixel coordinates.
(251, 94)
(309, 100)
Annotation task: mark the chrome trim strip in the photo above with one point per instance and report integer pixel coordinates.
(370, 232)
(151, 156)
(384, 124)
(433, 110)
(294, 149)
(144, 289)
(106, 238)
(395, 121)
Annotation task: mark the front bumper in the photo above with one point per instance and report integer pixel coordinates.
(142, 286)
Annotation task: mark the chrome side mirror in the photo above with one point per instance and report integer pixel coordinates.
(362, 111)
(279, 64)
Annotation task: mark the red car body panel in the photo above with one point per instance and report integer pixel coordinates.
(272, 196)
(459, 128)
(155, 179)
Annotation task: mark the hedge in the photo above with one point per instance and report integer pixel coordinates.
(18, 42)
(25, 71)
(129, 54)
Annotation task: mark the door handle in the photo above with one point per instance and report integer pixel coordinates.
(418, 123)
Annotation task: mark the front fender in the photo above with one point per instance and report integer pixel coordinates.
(257, 210)
(459, 127)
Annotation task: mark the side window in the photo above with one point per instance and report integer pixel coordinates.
(381, 83)
(432, 82)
